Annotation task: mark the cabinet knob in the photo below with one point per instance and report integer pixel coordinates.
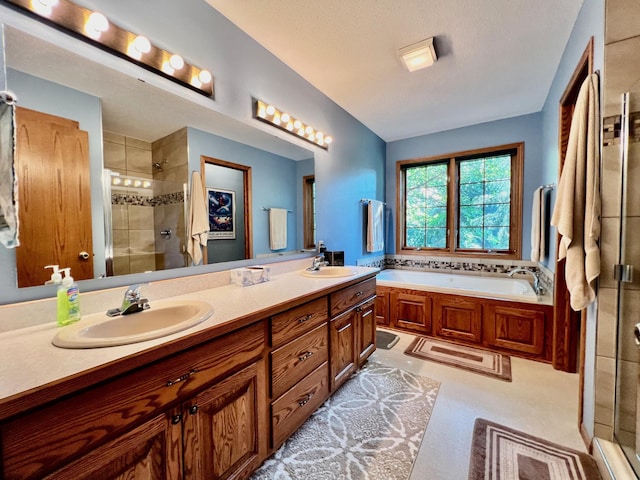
(176, 419)
(193, 409)
(359, 294)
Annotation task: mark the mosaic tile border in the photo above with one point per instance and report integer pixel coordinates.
(143, 201)
(467, 266)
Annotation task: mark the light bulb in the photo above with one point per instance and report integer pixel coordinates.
(204, 76)
(96, 24)
(138, 47)
(276, 119)
(297, 124)
(319, 135)
(285, 117)
(309, 130)
(271, 110)
(137, 183)
(146, 184)
(43, 7)
(127, 182)
(262, 111)
(176, 62)
(328, 139)
(290, 126)
(116, 181)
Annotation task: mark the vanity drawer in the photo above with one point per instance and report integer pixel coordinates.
(298, 358)
(292, 323)
(345, 299)
(49, 437)
(294, 407)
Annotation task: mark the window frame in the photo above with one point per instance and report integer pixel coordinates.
(453, 209)
(309, 211)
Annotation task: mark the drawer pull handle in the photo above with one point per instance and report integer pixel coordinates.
(176, 419)
(181, 378)
(193, 409)
(305, 400)
(359, 294)
(305, 318)
(304, 356)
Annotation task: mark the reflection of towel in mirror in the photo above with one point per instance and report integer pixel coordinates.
(375, 230)
(538, 230)
(198, 220)
(8, 178)
(277, 228)
(577, 209)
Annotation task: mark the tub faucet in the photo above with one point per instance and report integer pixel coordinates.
(131, 303)
(536, 279)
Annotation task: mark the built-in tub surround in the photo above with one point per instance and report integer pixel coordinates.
(491, 287)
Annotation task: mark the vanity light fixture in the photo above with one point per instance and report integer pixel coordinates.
(419, 55)
(284, 121)
(95, 28)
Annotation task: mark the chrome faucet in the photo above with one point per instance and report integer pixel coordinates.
(318, 261)
(131, 303)
(536, 279)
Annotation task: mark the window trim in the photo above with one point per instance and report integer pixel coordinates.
(515, 230)
(308, 210)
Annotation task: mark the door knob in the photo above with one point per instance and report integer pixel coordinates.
(84, 255)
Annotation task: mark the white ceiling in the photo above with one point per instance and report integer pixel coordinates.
(497, 58)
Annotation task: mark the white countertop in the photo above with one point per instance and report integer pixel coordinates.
(28, 360)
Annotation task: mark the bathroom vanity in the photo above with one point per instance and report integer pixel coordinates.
(210, 402)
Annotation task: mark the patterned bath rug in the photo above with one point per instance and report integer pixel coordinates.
(477, 360)
(501, 453)
(370, 429)
(386, 340)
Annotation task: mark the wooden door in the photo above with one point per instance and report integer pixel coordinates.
(382, 308)
(224, 434)
(54, 194)
(151, 451)
(343, 348)
(366, 331)
(514, 328)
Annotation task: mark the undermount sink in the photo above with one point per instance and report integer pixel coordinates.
(329, 272)
(161, 319)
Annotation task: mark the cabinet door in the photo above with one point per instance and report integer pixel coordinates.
(514, 328)
(382, 308)
(224, 427)
(343, 348)
(366, 331)
(458, 317)
(410, 310)
(150, 451)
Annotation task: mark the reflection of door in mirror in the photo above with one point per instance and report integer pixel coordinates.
(147, 202)
(54, 197)
(220, 175)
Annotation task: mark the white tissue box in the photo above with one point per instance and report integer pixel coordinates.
(245, 277)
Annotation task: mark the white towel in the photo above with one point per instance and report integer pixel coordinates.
(277, 228)
(198, 220)
(577, 209)
(375, 226)
(9, 224)
(537, 226)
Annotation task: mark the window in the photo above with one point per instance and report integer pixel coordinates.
(467, 203)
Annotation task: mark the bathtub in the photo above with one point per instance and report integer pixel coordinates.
(489, 287)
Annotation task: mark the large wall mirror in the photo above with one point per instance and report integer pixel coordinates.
(132, 149)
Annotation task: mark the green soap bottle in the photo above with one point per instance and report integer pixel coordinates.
(68, 300)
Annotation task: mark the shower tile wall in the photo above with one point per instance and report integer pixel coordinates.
(171, 155)
(133, 229)
(621, 74)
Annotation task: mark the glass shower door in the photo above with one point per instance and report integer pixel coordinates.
(627, 275)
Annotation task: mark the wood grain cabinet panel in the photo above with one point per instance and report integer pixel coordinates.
(366, 331)
(515, 328)
(349, 297)
(291, 324)
(382, 308)
(343, 348)
(410, 310)
(458, 317)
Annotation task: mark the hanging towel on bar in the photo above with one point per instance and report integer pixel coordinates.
(198, 220)
(375, 230)
(538, 230)
(277, 228)
(577, 209)
(8, 178)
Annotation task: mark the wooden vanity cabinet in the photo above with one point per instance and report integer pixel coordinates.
(142, 421)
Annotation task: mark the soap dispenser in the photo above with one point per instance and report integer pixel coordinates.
(68, 300)
(56, 276)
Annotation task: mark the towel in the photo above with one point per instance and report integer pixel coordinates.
(375, 230)
(277, 228)
(198, 220)
(9, 224)
(576, 213)
(538, 230)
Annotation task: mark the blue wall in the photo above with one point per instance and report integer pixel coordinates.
(526, 128)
